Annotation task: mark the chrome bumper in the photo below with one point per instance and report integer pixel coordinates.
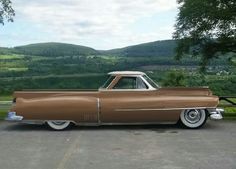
(216, 114)
(11, 116)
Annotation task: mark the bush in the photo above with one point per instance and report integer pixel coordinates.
(174, 78)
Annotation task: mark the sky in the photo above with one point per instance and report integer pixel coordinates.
(100, 24)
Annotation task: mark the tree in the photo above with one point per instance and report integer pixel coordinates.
(174, 78)
(205, 28)
(6, 11)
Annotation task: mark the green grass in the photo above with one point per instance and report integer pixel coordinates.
(4, 107)
(12, 56)
(3, 114)
(9, 65)
(230, 111)
(5, 98)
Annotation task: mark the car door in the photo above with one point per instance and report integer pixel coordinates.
(129, 101)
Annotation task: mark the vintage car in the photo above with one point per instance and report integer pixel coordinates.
(127, 97)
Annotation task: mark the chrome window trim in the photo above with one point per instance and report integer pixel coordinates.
(150, 80)
(150, 87)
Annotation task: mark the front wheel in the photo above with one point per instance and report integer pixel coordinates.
(193, 118)
(58, 125)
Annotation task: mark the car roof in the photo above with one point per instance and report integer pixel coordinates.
(126, 73)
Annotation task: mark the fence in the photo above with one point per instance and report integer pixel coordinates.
(230, 101)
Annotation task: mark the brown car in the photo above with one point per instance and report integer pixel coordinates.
(127, 97)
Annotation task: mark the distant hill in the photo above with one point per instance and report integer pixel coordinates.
(163, 48)
(158, 48)
(4, 51)
(54, 49)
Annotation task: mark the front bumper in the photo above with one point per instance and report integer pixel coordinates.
(11, 116)
(216, 114)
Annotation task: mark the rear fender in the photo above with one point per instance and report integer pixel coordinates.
(73, 108)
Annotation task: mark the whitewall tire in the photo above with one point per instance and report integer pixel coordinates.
(58, 125)
(193, 118)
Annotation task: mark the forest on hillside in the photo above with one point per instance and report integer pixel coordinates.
(67, 66)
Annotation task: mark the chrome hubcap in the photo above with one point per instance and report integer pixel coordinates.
(58, 122)
(192, 116)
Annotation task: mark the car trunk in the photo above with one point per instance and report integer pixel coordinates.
(183, 91)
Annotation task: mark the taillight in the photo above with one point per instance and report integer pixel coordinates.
(210, 93)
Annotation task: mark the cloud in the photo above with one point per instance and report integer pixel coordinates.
(77, 20)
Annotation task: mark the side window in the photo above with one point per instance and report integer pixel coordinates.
(130, 83)
(126, 83)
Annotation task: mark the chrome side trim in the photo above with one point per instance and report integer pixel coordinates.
(88, 124)
(38, 122)
(98, 110)
(177, 108)
(138, 123)
(43, 121)
(130, 124)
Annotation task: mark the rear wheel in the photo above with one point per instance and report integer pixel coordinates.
(193, 118)
(58, 125)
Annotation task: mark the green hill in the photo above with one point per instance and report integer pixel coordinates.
(46, 66)
(4, 51)
(163, 48)
(54, 49)
(158, 48)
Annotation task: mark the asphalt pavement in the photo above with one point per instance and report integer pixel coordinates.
(118, 147)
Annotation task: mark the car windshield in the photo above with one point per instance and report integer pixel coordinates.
(150, 81)
(108, 82)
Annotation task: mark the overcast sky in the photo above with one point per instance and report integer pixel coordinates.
(101, 24)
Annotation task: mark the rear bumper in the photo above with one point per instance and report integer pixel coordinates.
(216, 114)
(12, 116)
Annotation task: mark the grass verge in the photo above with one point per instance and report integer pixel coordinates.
(3, 114)
(230, 113)
(6, 98)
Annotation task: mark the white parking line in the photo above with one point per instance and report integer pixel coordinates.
(73, 146)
